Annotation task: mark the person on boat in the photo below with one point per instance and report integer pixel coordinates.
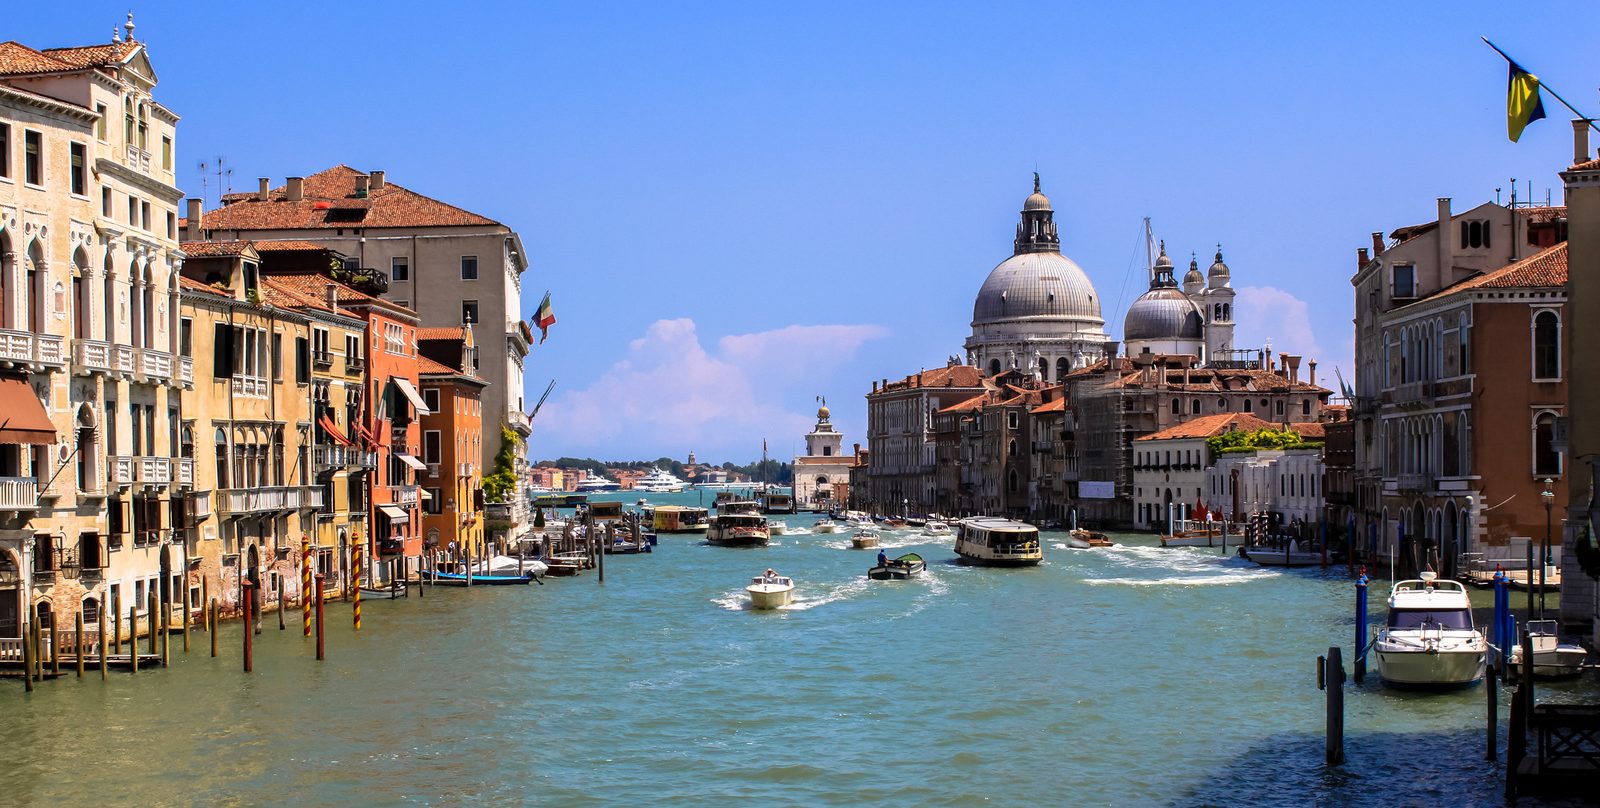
(883, 559)
(771, 576)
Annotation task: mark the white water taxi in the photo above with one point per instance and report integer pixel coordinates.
(825, 526)
(775, 528)
(1429, 640)
(864, 539)
(1552, 658)
(935, 528)
(994, 542)
(770, 591)
(1291, 554)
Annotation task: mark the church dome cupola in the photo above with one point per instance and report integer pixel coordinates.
(1218, 274)
(1163, 320)
(1037, 230)
(1193, 281)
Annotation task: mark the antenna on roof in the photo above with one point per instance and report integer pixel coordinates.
(203, 184)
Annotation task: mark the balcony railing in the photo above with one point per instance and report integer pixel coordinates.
(520, 422)
(125, 359)
(155, 365)
(19, 493)
(92, 355)
(322, 359)
(16, 346)
(354, 364)
(186, 371)
(250, 386)
(137, 159)
(50, 350)
(155, 470)
(403, 494)
(1413, 482)
(328, 457)
(200, 505)
(185, 471)
(464, 469)
(313, 498)
(120, 470)
(258, 500)
(29, 348)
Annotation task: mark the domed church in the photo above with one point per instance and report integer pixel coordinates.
(1196, 320)
(1037, 312)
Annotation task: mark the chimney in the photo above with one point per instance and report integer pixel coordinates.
(1311, 370)
(1377, 244)
(1361, 259)
(1293, 363)
(361, 186)
(377, 181)
(192, 230)
(263, 188)
(296, 189)
(1445, 242)
(333, 296)
(1580, 140)
(874, 387)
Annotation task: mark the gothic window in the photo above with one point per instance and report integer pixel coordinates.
(1177, 407)
(1546, 345)
(1546, 459)
(1461, 353)
(1194, 407)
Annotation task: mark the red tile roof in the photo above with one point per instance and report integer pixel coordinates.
(330, 201)
(1059, 405)
(1587, 165)
(196, 286)
(949, 376)
(1207, 426)
(316, 286)
(447, 332)
(212, 249)
(426, 365)
(1546, 269)
(270, 245)
(1310, 430)
(17, 59)
(274, 291)
(93, 55)
(977, 402)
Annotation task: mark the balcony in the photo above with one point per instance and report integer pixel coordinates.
(403, 494)
(155, 470)
(329, 457)
(464, 469)
(1414, 394)
(123, 359)
(19, 494)
(185, 467)
(92, 356)
(250, 386)
(322, 359)
(155, 366)
(258, 501)
(186, 371)
(120, 470)
(313, 498)
(354, 365)
(28, 348)
(1414, 482)
(520, 422)
(137, 159)
(199, 506)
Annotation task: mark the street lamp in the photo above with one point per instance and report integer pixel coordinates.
(1549, 497)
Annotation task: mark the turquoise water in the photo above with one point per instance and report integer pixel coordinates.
(1126, 675)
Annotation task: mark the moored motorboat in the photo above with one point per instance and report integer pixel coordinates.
(1552, 658)
(770, 591)
(567, 564)
(864, 539)
(1291, 554)
(395, 589)
(458, 579)
(909, 565)
(1429, 640)
(994, 542)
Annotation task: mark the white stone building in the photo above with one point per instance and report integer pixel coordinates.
(823, 465)
(1287, 483)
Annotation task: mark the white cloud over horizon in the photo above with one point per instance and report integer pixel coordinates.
(670, 395)
(1268, 313)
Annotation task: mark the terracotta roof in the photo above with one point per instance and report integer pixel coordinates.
(93, 55)
(1546, 269)
(1543, 213)
(949, 376)
(315, 287)
(447, 332)
(270, 245)
(977, 402)
(426, 365)
(194, 285)
(1310, 430)
(277, 293)
(1059, 405)
(211, 249)
(1587, 165)
(17, 59)
(330, 201)
(1207, 426)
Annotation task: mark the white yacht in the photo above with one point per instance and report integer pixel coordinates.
(1429, 640)
(659, 481)
(825, 526)
(990, 541)
(1552, 658)
(770, 591)
(596, 483)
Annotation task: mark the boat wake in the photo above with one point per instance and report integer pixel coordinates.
(1175, 566)
(1225, 579)
(839, 592)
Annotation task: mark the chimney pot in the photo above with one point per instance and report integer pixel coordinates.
(333, 296)
(361, 185)
(377, 180)
(1362, 258)
(296, 189)
(263, 188)
(1293, 363)
(1580, 140)
(1311, 369)
(1377, 244)
(192, 229)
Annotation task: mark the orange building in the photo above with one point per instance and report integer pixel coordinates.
(452, 442)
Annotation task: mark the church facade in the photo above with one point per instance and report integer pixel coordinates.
(823, 466)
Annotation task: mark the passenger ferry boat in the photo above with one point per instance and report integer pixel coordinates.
(1429, 640)
(738, 529)
(659, 481)
(680, 519)
(994, 542)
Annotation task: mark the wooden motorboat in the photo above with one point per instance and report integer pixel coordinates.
(864, 539)
(825, 526)
(567, 564)
(1092, 538)
(391, 592)
(909, 565)
(457, 579)
(770, 591)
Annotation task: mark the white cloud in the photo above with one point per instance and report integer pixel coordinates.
(670, 394)
(1266, 312)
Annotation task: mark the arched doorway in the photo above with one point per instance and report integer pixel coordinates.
(252, 573)
(44, 618)
(10, 596)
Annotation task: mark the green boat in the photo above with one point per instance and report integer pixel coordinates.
(909, 565)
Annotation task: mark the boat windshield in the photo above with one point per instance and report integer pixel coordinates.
(1430, 618)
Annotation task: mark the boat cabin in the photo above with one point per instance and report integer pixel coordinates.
(677, 519)
(1000, 542)
(605, 511)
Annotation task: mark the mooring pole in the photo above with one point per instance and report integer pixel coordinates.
(211, 619)
(305, 588)
(101, 615)
(116, 624)
(79, 641)
(249, 636)
(355, 582)
(133, 635)
(320, 654)
(1361, 627)
(205, 601)
(1491, 689)
(27, 657)
(281, 626)
(150, 622)
(1333, 679)
(166, 631)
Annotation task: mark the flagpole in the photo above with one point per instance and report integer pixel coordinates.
(1545, 87)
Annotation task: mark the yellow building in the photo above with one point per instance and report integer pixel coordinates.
(452, 442)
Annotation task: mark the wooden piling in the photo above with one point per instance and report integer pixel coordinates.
(102, 642)
(249, 636)
(281, 626)
(55, 648)
(27, 657)
(133, 635)
(320, 648)
(150, 613)
(205, 601)
(188, 617)
(211, 620)
(79, 641)
(305, 589)
(116, 625)
(1334, 677)
(355, 583)
(166, 631)
(1491, 689)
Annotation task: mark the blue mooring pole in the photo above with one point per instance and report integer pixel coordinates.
(1361, 627)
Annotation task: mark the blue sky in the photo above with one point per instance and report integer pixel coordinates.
(741, 206)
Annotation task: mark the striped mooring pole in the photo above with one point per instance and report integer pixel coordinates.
(305, 586)
(355, 580)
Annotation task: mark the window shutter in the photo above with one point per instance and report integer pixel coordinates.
(222, 351)
(302, 360)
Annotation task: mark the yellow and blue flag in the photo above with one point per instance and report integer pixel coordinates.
(1523, 105)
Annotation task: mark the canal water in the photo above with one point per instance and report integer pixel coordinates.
(1124, 675)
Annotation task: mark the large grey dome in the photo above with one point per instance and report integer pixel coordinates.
(1163, 313)
(1037, 285)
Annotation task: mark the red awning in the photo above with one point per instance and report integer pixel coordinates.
(22, 417)
(332, 429)
(372, 443)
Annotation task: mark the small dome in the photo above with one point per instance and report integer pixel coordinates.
(1193, 277)
(1036, 201)
(1163, 313)
(1218, 269)
(822, 413)
(1162, 260)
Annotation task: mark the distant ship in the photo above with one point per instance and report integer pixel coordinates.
(597, 483)
(659, 481)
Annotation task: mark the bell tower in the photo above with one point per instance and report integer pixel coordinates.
(823, 441)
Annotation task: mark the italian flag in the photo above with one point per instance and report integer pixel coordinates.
(545, 318)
